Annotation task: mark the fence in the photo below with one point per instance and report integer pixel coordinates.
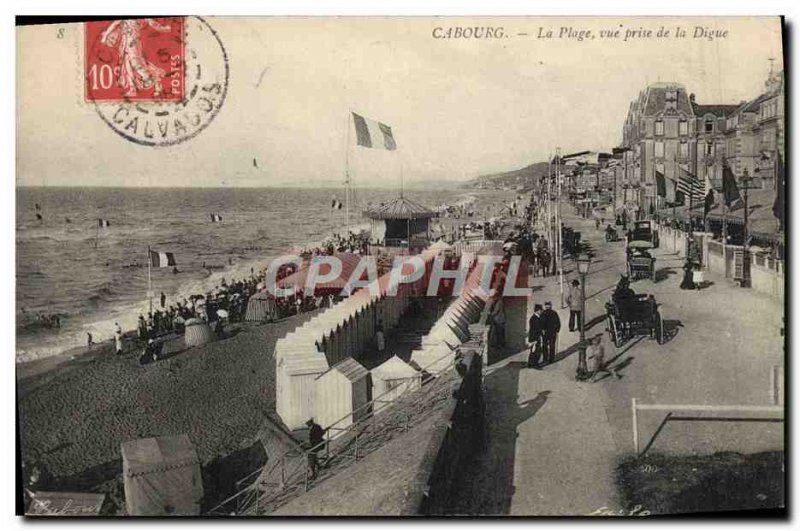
(671, 408)
(266, 488)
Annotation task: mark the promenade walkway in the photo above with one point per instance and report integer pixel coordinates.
(554, 443)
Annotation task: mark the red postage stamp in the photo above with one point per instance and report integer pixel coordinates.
(135, 60)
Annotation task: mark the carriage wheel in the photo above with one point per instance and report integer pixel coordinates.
(659, 328)
(613, 332)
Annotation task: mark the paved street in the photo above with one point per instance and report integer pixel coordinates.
(554, 443)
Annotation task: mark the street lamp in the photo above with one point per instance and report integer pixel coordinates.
(745, 251)
(582, 262)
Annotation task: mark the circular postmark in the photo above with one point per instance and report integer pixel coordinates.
(157, 121)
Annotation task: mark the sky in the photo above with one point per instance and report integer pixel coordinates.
(458, 108)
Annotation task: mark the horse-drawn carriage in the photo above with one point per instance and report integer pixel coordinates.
(645, 230)
(633, 315)
(612, 235)
(641, 264)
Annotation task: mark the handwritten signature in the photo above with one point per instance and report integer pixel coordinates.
(605, 511)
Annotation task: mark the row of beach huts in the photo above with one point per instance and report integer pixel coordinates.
(317, 373)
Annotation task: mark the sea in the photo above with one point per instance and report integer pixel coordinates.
(93, 277)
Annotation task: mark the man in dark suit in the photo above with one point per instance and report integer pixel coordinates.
(551, 326)
(535, 337)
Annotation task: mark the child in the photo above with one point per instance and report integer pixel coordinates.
(596, 351)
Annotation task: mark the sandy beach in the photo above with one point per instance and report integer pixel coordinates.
(75, 410)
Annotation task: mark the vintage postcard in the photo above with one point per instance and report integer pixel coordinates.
(400, 266)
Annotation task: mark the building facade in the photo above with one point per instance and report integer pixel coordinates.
(666, 129)
(659, 135)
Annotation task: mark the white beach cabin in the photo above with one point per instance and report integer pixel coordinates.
(391, 379)
(340, 391)
(297, 368)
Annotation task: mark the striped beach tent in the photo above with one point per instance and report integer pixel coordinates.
(198, 333)
(260, 308)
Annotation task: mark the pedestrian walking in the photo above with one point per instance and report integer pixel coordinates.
(597, 353)
(118, 339)
(89, 340)
(688, 276)
(551, 326)
(380, 339)
(163, 299)
(575, 303)
(535, 337)
(315, 440)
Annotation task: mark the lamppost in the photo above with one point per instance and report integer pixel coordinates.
(582, 262)
(745, 244)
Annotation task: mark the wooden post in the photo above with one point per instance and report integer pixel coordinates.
(635, 420)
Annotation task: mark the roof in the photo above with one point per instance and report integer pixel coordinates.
(656, 98)
(305, 361)
(400, 208)
(394, 369)
(720, 111)
(348, 261)
(157, 454)
(351, 369)
(752, 105)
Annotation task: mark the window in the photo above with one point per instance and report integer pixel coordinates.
(659, 149)
(684, 150)
(710, 150)
(683, 128)
(709, 125)
(659, 127)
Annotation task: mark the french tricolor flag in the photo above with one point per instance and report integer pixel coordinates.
(216, 218)
(103, 222)
(372, 134)
(159, 259)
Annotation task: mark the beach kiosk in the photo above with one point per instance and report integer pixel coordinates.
(391, 379)
(161, 477)
(407, 223)
(340, 391)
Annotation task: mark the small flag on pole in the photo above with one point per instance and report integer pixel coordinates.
(778, 207)
(103, 222)
(729, 188)
(216, 218)
(689, 185)
(708, 201)
(372, 134)
(661, 185)
(161, 259)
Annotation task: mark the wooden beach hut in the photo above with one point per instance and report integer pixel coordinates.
(161, 477)
(391, 379)
(340, 391)
(433, 358)
(297, 367)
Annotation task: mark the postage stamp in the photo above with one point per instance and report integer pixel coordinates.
(135, 60)
(157, 81)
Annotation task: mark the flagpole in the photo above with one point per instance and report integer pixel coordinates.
(149, 280)
(558, 227)
(347, 172)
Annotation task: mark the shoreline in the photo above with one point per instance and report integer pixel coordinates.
(52, 344)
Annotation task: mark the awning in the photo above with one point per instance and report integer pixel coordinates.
(298, 279)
